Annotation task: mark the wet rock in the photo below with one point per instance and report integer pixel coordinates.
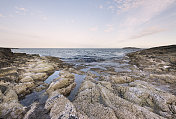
(63, 85)
(37, 111)
(40, 88)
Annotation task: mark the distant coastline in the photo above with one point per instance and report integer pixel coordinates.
(131, 48)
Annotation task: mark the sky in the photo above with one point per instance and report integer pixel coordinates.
(87, 23)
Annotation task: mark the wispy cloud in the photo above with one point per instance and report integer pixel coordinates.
(21, 9)
(141, 11)
(148, 31)
(138, 13)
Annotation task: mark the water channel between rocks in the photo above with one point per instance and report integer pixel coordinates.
(42, 96)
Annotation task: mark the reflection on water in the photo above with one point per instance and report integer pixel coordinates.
(40, 97)
(78, 79)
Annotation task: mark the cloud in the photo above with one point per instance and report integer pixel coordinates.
(138, 14)
(148, 31)
(141, 11)
(21, 8)
(93, 28)
(109, 28)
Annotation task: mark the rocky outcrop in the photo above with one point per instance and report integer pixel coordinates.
(98, 100)
(5, 57)
(64, 84)
(21, 74)
(9, 106)
(136, 94)
(149, 96)
(61, 108)
(156, 64)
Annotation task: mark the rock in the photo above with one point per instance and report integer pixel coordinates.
(3, 88)
(100, 102)
(7, 71)
(121, 79)
(172, 60)
(144, 94)
(43, 66)
(23, 88)
(89, 101)
(64, 84)
(61, 108)
(67, 90)
(37, 111)
(66, 74)
(27, 79)
(10, 96)
(169, 78)
(40, 88)
(39, 76)
(11, 110)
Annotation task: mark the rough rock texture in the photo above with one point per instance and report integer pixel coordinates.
(20, 74)
(98, 101)
(157, 65)
(146, 91)
(64, 84)
(147, 95)
(61, 108)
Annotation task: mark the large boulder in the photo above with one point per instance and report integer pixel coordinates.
(64, 84)
(61, 108)
(23, 88)
(27, 79)
(9, 106)
(11, 110)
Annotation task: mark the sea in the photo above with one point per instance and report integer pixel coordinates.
(79, 55)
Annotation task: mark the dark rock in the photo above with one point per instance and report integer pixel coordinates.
(3, 88)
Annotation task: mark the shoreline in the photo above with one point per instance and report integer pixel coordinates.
(147, 91)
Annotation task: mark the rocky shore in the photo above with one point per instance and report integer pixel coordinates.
(146, 91)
